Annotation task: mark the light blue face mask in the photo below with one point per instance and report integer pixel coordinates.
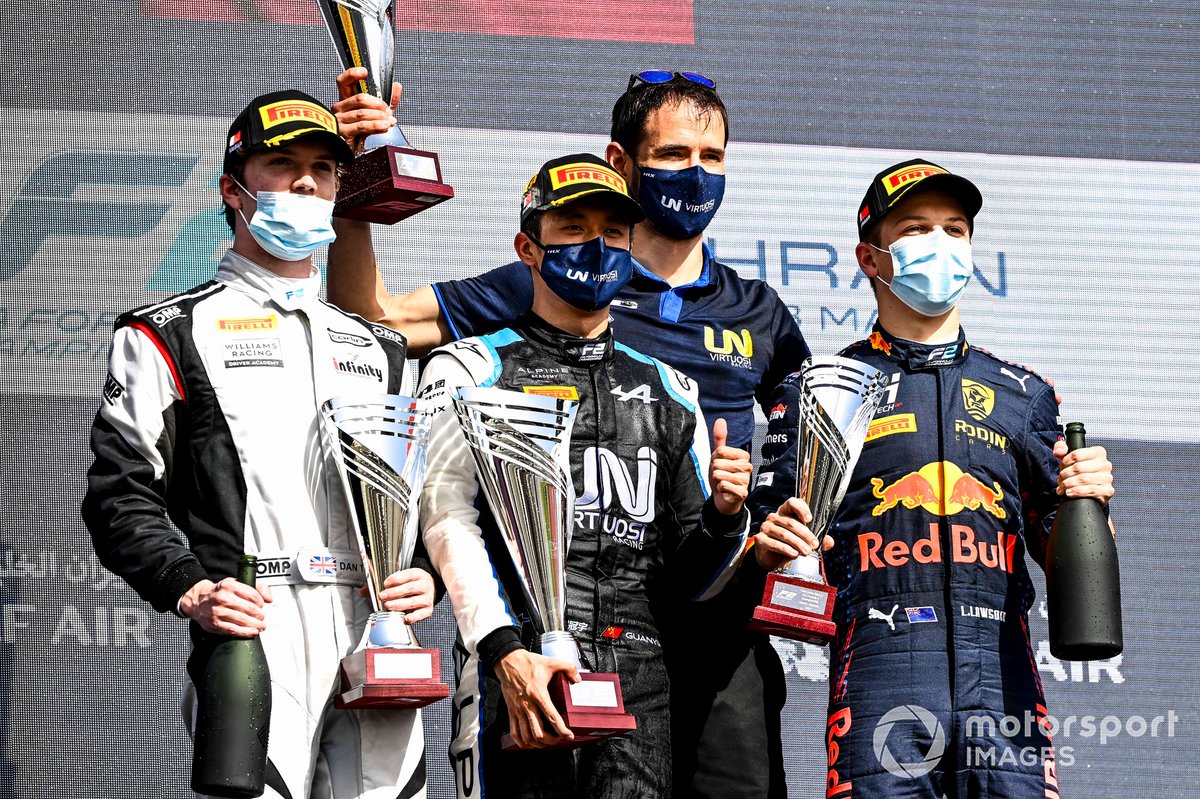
(290, 226)
(929, 271)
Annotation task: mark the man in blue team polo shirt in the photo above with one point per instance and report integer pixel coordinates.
(733, 336)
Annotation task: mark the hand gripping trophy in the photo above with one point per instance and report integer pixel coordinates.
(379, 443)
(391, 180)
(521, 446)
(838, 399)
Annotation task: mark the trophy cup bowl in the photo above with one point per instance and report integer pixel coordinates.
(838, 399)
(391, 180)
(521, 446)
(379, 443)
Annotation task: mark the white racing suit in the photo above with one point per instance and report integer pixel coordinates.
(210, 416)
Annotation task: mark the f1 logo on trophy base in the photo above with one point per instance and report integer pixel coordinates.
(521, 445)
(391, 180)
(379, 442)
(838, 399)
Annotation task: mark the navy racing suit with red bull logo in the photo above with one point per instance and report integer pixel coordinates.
(932, 658)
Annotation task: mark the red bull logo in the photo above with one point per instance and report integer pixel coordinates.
(965, 547)
(877, 342)
(927, 488)
(836, 727)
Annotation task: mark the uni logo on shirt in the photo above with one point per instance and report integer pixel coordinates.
(730, 341)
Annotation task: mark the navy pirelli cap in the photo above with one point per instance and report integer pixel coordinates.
(900, 181)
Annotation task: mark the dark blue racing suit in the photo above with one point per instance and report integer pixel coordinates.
(955, 482)
(644, 532)
(736, 339)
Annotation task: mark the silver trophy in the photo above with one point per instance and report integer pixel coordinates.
(391, 180)
(521, 444)
(838, 400)
(379, 442)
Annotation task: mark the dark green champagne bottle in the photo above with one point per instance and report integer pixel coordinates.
(1083, 581)
(234, 714)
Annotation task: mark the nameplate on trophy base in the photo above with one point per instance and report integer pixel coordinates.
(796, 609)
(390, 183)
(593, 709)
(391, 677)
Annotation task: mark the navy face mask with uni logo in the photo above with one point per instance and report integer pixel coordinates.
(586, 276)
(681, 202)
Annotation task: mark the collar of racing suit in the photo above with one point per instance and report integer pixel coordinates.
(289, 293)
(565, 347)
(916, 355)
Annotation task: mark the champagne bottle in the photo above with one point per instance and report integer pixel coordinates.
(1083, 581)
(234, 713)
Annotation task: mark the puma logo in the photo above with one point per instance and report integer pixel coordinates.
(1004, 371)
(879, 614)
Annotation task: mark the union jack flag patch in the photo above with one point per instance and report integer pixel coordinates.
(322, 564)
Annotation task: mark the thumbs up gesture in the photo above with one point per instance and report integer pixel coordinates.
(728, 472)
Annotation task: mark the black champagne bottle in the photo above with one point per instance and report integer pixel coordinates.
(1083, 581)
(234, 713)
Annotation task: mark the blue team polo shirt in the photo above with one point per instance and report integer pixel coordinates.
(733, 336)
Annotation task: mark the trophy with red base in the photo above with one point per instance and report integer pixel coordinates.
(521, 445)
(391, 180)
(379, 443)
(838, 399)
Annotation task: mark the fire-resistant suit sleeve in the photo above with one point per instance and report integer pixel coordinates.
(449, 523)
(133, 439)
(711, 543)
(1038, 470)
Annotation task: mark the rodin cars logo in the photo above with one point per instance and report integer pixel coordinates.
(912, 714)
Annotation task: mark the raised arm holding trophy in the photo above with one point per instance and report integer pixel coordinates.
(391, 180)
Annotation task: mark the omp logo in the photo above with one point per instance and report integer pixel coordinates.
(391, 335)
(909, 174)
(289, 110)
(978, 399)
(606, 480)
(47, 206)
(164, 315)
(570, 174)
(338, 337)
(730, 341)
(244, 325)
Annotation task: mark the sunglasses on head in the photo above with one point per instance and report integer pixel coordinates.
(664, 76)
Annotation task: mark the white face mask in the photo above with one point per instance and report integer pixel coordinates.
(290, 226)
(929, 271)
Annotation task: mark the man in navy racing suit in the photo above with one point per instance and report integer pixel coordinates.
(961, 474)
(645, 528)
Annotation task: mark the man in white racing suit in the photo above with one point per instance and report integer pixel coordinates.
(210, 418)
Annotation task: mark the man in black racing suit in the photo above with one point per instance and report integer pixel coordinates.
(645, 527)
(960, 475)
